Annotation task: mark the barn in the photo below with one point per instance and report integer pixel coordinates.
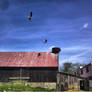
(29, 66)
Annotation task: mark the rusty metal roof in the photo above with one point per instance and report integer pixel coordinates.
(28, 59)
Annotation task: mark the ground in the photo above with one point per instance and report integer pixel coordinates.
(22, 86)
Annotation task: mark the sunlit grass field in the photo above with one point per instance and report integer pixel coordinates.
(21, 86)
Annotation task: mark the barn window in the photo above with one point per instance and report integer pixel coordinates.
(39, 54)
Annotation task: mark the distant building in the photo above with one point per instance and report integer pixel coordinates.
(80, 79)
(85, 71)
(29, 66)
(67, 81)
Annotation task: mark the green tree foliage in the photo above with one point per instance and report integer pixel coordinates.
(68, 67)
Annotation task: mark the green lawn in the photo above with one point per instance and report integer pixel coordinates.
(22, 87)
(91, 90)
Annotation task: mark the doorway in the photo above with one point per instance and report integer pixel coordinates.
(81, 84)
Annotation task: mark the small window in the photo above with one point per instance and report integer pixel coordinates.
(87, 69)
(78, 73)
(81, 71)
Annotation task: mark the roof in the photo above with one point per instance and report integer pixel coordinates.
(28, 59)
(83, 67)
(71, 75)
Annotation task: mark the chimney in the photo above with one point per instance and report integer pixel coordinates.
(56, 50)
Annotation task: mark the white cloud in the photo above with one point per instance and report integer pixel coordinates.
(76, 48)
(51, 47)
(83, 57)
(85, 25)
(74, 58)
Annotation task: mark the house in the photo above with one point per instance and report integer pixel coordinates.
(85, 72)
(80, 79)
(67, 81)
(29, 66)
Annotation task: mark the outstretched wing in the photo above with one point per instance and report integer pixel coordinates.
(45, 41)
(30, 14)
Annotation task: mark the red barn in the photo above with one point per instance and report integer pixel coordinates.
(29, 66)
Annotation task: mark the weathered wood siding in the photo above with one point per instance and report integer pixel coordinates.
(41, 74)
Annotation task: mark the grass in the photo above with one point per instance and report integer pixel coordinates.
(91, 90)
(22, 87)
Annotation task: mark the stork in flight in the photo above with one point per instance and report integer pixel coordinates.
(45, 41)
(30, 16)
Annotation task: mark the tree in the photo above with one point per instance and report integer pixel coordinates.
(68, 67)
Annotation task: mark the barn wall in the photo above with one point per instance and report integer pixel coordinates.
(47, 74)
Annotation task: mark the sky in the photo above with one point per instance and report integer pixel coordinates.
(64, 23)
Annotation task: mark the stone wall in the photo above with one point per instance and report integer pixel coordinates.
(90, 83)
(49, 85)
(67, 81)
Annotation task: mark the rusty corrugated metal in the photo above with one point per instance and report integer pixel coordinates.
(28, 59)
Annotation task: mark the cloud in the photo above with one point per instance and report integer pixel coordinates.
(74, 54)
(51, 47)
(79, 57)
(58, 21)
(76, 48)
(85, 25)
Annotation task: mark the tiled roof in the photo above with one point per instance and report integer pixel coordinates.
(28, 59)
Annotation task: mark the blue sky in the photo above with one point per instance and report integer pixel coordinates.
(64, 23)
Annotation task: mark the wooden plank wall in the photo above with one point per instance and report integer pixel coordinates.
(47, 74)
